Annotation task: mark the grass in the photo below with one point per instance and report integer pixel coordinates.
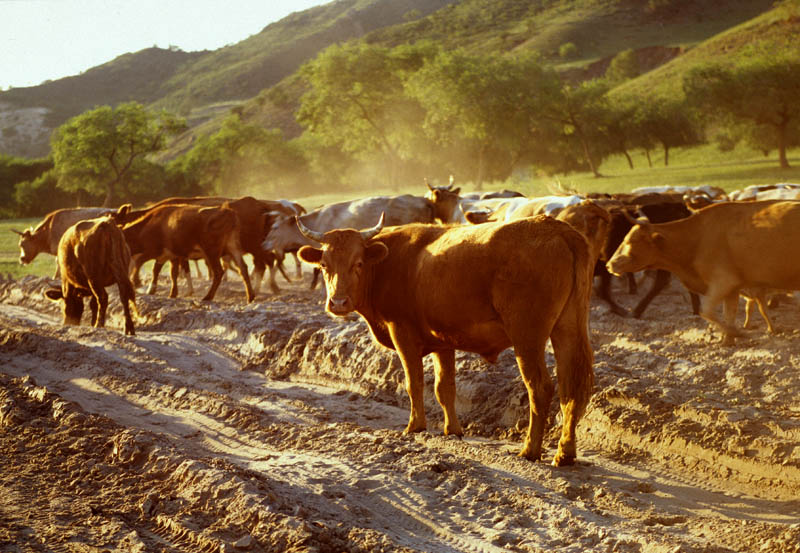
(688, 166)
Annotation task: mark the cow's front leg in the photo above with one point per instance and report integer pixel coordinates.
(410, 353)
(708, 306)
(445, 387)
(174, 272)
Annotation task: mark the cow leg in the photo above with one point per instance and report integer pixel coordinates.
(99, 309)
(573, 354)
(708, 305)
(660, 282)
(241, 266)
(259, 268)
(216, 276)
(315, 278)
(762, 308)
(604, 290)
(187, 273)
(298, 266)
(632, 286)
(156, 272)
(93, 309)
(532, 367)
(445, 386)
(174, 273)
(127, 297)
(411, 358)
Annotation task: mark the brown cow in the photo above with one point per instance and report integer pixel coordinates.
(255, 220)
(45, 237)
(93, 254)
(720, 250)
(426, 288)
(174, 232)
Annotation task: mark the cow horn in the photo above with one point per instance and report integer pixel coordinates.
(641, 220)
(452, 182)
(370, 233)
(307, 232)
(17, 232)
(428, 185)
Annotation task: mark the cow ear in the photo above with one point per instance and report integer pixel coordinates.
(376, 252)
(53, 294)
(456, 190)
(477, 217)
(310, 254)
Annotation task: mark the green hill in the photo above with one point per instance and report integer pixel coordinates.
(257, 75)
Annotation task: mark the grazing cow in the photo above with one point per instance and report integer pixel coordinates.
(93, 254)
(435, 289)
(720, 250)
(284, 235)
(45, 237)
(170, 232)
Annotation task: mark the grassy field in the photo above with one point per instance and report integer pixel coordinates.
(688, 166)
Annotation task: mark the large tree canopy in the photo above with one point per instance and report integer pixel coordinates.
(100, 150)
(356, 100)
(761, 91)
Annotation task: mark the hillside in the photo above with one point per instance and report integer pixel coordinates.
(257, 74)
(182, 81)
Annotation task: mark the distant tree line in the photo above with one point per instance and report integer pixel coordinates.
(373, 114)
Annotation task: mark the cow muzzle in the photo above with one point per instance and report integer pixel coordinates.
(341, 305)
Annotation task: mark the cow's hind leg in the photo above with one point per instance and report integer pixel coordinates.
(216, 276)
(532, 367)
(99, 312)
(573, 355)
(445, 387)
(718, 293)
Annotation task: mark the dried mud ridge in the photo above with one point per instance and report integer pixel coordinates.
(272, 427)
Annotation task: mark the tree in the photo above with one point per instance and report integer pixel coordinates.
(241, 157)
(356, 100)
(623, 66)
(478, 107)
(668, 122)
(760, 91)
(580, 113)
(100, 149)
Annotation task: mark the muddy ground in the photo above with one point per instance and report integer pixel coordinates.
(272, 427)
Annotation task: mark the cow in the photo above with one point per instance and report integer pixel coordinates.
(714, 192)
(284, 236)
(255, 219)
(93, 254)
(509, 209)
(174, 232)
(45, 237)
(780, 191)
(718, 251)
(432, 289)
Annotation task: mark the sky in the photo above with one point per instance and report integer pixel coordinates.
(49, 39)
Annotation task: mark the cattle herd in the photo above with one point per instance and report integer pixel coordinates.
(447, 272)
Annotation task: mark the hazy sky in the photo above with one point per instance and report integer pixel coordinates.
(50, 39)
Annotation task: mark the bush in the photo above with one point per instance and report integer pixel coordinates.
(568, 50)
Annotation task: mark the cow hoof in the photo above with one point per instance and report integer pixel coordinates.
(529, 456)
(563, 460)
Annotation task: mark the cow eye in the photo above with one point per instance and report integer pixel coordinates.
(357, 265)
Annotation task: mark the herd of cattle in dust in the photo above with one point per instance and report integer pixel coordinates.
(447, 272)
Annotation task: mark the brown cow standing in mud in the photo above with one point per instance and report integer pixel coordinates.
(718, 251)
(93, 254)
(432, 289)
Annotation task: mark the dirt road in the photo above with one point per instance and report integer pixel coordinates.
(271, 427)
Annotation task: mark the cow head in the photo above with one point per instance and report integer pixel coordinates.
(71, 305)
(283, 236)
(445, 200)
(29, 246)
(345, 257)
(637, 252)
